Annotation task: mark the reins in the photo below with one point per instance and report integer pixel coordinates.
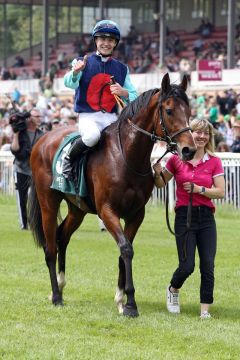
(119, 101)
(122, 105)
(189, 213)
(171, 147)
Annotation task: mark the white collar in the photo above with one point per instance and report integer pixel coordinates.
(103, 58)
(205, 157)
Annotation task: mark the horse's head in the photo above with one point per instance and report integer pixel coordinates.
(174, 118)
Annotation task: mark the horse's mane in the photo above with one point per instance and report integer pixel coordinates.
(142, 101)
(136, 105)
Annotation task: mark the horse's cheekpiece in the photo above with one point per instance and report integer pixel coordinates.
(119, 179)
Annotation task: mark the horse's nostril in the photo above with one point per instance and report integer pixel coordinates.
(187, 153)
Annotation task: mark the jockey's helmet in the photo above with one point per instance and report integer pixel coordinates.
(106, 28)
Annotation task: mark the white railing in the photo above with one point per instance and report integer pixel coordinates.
(142, 82)
(6, 173)
(231, 164)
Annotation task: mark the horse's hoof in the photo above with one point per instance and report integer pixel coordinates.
(130, 311)
(57, 301)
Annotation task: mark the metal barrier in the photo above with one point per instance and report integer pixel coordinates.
(231, 164)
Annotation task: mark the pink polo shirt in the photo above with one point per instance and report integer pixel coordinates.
(201, 174)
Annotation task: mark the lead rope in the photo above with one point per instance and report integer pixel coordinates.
(189, 216)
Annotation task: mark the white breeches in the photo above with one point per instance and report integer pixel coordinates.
(92, 124)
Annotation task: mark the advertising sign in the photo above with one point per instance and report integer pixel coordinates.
(209, 70)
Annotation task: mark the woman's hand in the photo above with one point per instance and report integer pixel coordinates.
(161, 176)
(157, 167)
(188, 187)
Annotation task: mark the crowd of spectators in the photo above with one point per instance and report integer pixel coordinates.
(54, 112)
(223, 112)
(222, 109)
(140, 51)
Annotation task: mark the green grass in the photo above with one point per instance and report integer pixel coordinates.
(88, 326)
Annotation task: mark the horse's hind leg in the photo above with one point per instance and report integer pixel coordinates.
(50, 249)
(49, 201)
(70, 224)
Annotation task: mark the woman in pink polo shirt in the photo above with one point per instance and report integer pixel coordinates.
(205, 175)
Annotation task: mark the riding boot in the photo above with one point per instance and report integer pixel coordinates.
(76, 149)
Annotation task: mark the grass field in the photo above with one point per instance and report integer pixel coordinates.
(88, 326)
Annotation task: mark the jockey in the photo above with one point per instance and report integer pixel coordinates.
(90, 76)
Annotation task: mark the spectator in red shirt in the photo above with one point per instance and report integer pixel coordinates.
(204, 177)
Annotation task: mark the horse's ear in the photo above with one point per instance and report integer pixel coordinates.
(184, 83)
(165, 86)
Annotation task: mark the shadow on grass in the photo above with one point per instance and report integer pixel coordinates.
(154, 307)
(229, 313)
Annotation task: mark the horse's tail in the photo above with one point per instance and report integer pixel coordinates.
(35, 217)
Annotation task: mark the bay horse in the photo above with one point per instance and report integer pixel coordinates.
(119, 179)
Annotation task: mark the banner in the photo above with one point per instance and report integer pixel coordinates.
(209, 70)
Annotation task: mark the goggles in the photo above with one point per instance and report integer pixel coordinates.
(105, 26)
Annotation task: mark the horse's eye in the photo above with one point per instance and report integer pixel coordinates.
(169, 112)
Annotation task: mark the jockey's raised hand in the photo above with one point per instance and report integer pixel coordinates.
(79, 65)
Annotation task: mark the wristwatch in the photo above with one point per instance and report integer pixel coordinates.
(203, 189)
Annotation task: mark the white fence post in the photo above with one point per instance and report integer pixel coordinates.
(6, 173)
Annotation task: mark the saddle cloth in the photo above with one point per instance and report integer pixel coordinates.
(59, 182)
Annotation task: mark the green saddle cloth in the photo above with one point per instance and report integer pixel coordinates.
(59, 182)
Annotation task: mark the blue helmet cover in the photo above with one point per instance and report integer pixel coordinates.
(106, 27)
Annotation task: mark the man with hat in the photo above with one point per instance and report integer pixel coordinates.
(25, 134)
(95, 92)
(236, 133)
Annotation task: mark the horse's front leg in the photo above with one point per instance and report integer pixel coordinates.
(124, 239)
(126, 249)
(120, 291)
(131, 227)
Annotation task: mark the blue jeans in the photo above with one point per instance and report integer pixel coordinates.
(203, 236)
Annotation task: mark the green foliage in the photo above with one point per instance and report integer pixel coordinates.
(88, 326)
(17, 36)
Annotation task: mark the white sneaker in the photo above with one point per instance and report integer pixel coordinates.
(205, 315)
(173, 304)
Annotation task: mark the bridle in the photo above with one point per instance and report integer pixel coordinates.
(167, 137)
(171, 145)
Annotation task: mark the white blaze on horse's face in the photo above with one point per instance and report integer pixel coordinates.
(185, 143)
